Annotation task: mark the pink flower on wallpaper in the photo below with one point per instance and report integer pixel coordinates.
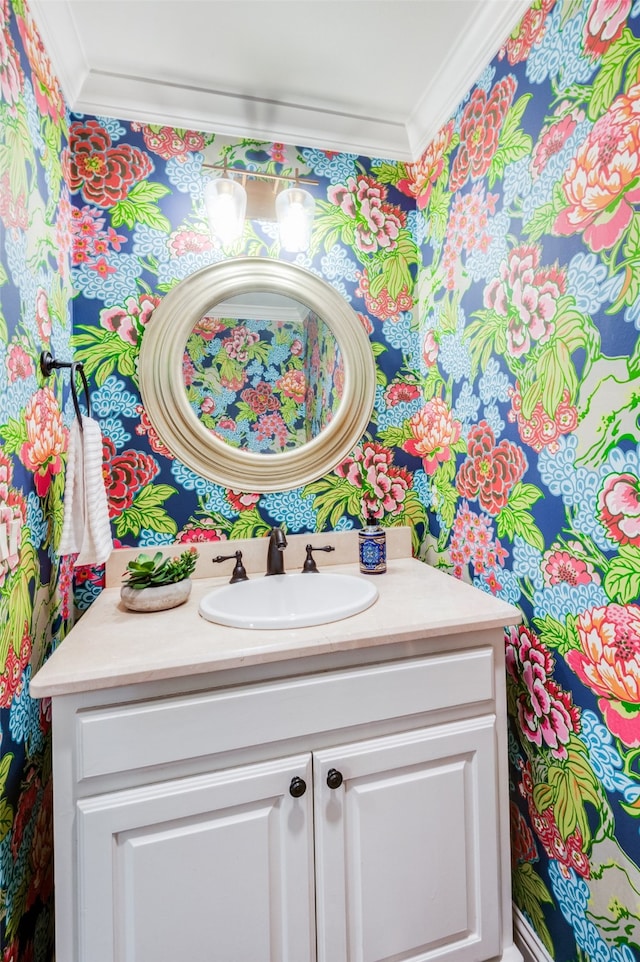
(546, 714)
(63, 235)
(601, 182)
(604, 25)
(480, 128)
(271, 427)
(102, 172)
(422, 176)
(15, 664)
(261, 398)
(401, 392)
(388, 494)
(569, 852)
(608, 662)
(433, 431)
(129, 320)
(541, 430)
(209, 327)
(242, 501)
(529, 32)
(553, 137)
(382, 305)
(490, 471)
(467, 229)
(384, 485)
(473, 542)
(170, 142)
(102, 267)
(193, 533)
(527, 296)
(387, 484)
(238, 343)
(377, 222)
(278, 152)
(43, 317)
(619, 508)
(523, 844)
(563, 567)
(430, 348)
(124, 475)
(188, 370)
(46, 439)
(146, 428)
(189, 242)
(11, 75)
(293, 384)
(235, 381)
(19, 363)
(296, 347)
(46, 88)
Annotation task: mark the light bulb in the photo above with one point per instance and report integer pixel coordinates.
(226, 203)
(295, 209)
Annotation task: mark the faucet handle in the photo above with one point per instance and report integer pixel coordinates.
(309, 563)
(239, 572)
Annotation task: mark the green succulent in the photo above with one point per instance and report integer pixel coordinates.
(149, 571)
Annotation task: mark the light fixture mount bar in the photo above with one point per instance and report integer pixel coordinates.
(257, 175)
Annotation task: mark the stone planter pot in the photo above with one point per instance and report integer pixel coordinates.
(157, 598)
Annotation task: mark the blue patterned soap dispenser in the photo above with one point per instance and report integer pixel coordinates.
(372, 545)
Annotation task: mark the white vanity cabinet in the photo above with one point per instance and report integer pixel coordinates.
(348, 815)
(332, 795)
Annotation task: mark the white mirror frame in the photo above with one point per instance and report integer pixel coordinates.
(160, 369)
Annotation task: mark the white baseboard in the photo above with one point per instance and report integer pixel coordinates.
(526, 939)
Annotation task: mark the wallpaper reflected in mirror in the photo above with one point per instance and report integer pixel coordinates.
(263, 372)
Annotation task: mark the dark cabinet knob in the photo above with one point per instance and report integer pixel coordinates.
(334, 778)
(298, 787)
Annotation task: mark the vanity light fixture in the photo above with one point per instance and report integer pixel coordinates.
(226, 203)
(258, 196)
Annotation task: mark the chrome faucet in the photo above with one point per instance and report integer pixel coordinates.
(275, 552)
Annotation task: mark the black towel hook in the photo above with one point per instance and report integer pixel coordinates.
(49, 364)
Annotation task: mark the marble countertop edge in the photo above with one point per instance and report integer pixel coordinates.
(111, 646)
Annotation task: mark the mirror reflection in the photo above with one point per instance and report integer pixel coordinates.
(257, 374)
(263, 372)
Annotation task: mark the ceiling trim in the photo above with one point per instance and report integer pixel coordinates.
(154, 100)
(476, 50)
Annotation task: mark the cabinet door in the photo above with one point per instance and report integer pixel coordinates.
(407, 847)
(212, 868)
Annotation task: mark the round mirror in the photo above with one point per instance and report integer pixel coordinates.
(257, 374)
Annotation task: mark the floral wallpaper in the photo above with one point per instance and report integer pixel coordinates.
(527, 429)
(294, 369)
(35, 290)
(498, 278)
(139, 227)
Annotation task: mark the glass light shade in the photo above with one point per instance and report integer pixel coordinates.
(295, 209)
(226, 203)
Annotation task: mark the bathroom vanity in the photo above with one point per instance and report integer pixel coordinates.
(327, 794)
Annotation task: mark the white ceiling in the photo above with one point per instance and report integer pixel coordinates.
(373, 77)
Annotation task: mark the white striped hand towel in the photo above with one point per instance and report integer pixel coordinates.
(86, 529)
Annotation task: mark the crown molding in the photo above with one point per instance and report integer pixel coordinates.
(154, 101)
(447, 87)
(158, 101)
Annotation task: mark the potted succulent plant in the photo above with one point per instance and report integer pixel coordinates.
(155, 582)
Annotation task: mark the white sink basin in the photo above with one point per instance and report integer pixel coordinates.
(288, 601)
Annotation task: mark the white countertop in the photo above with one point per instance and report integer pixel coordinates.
(111, 646)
